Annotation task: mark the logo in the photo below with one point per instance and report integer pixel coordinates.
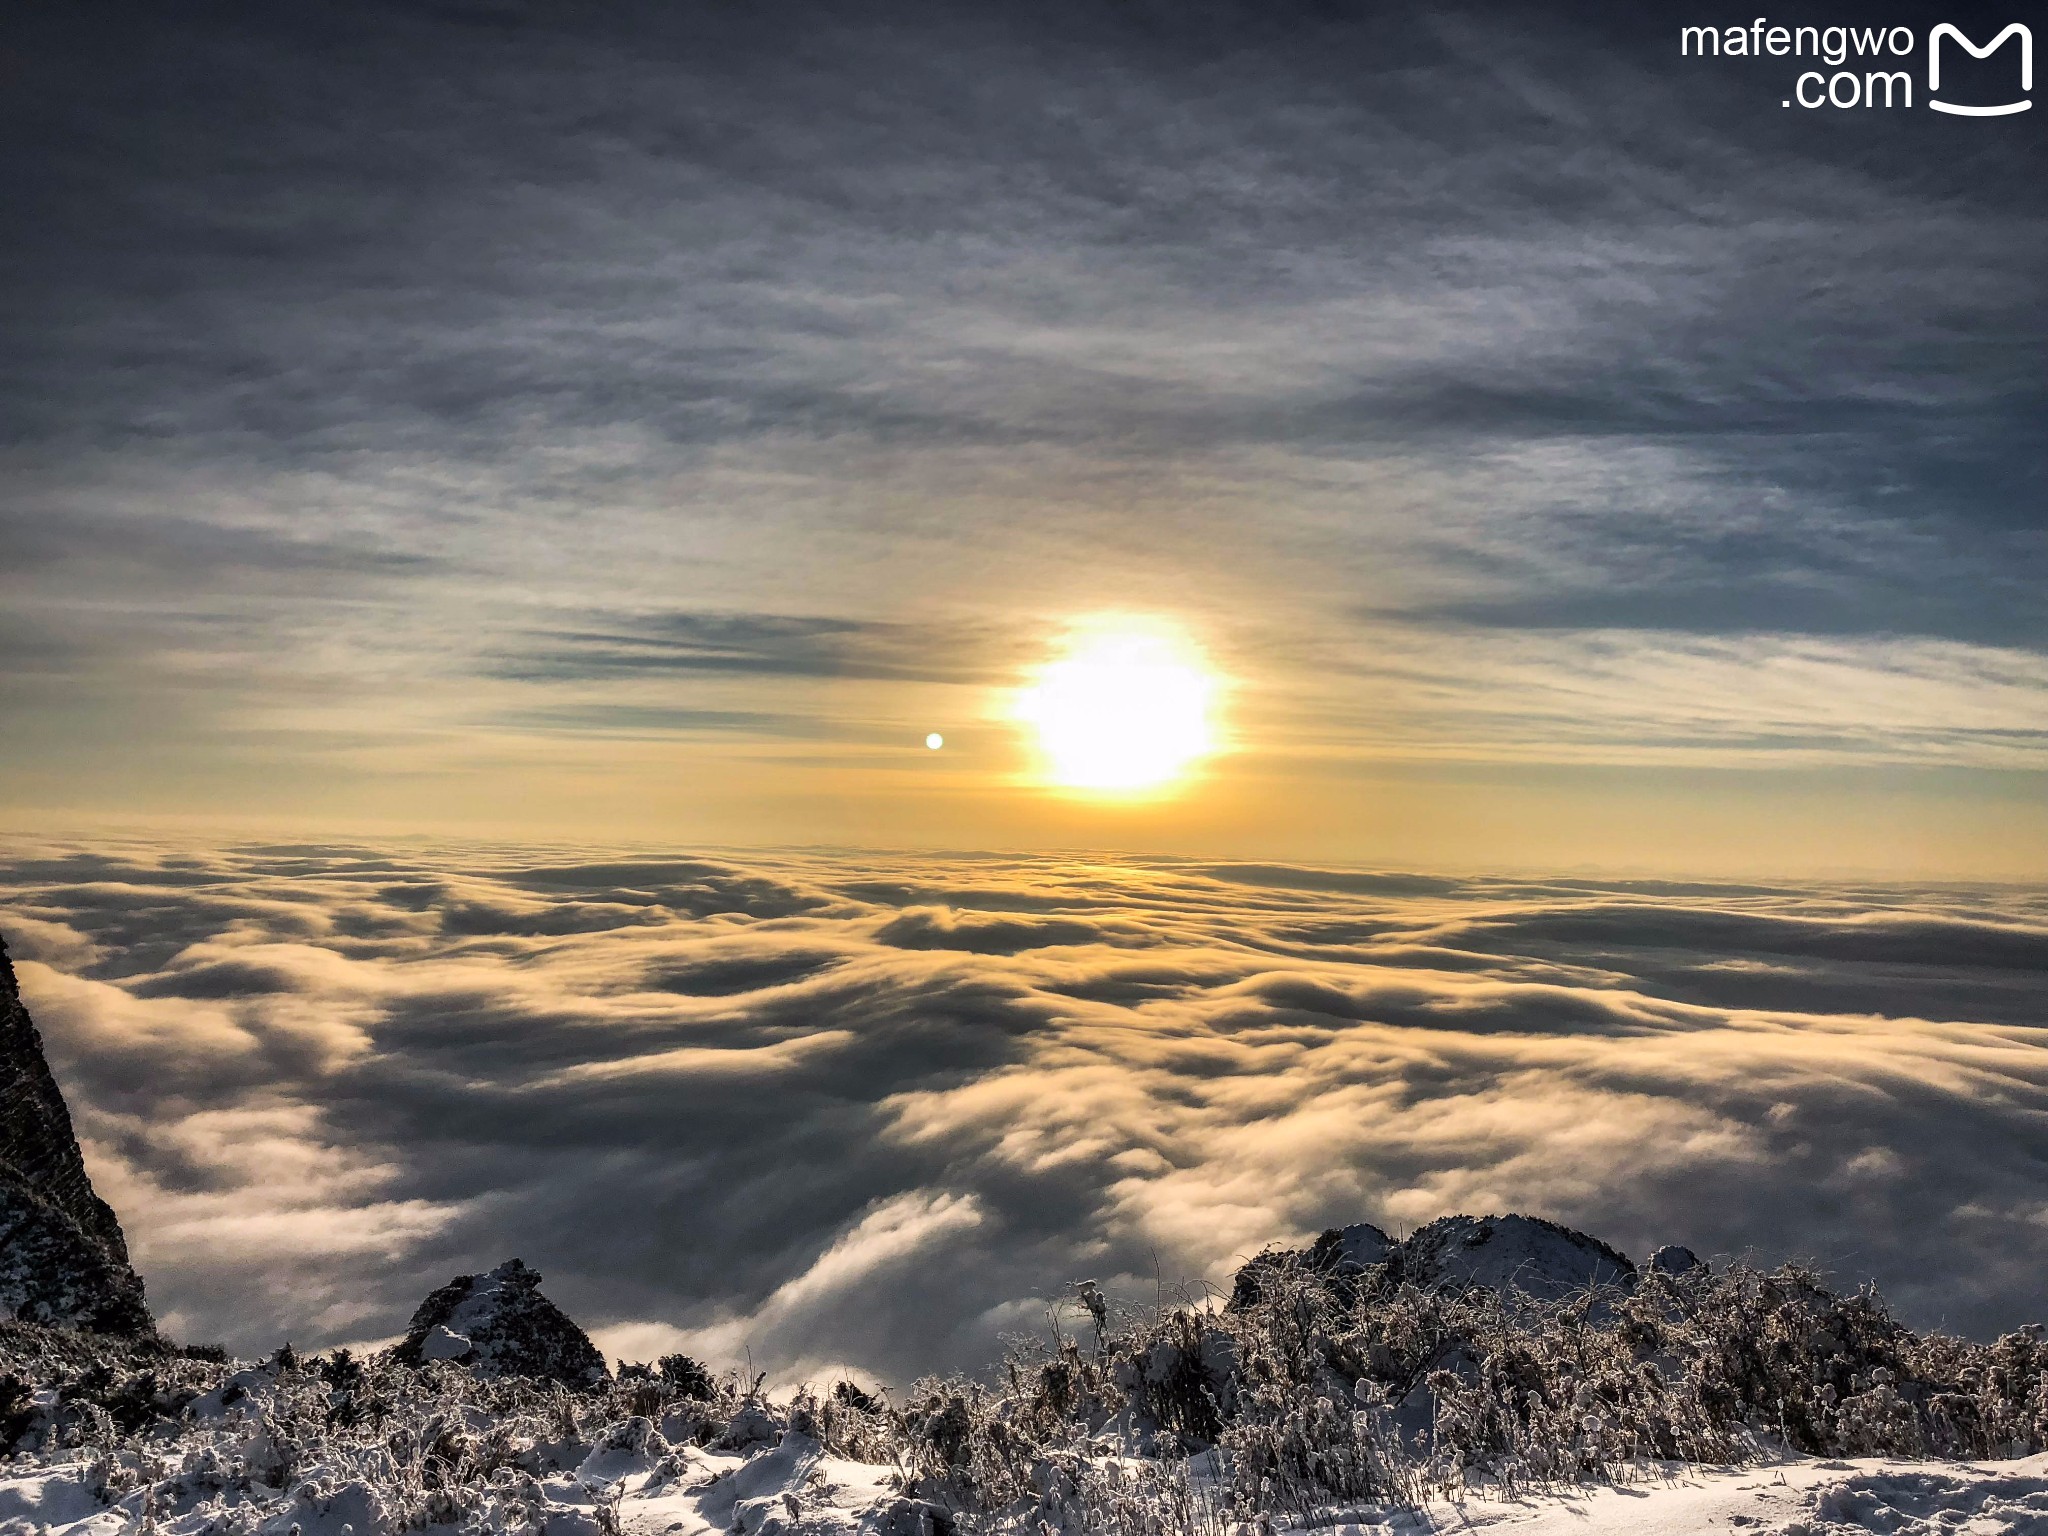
(1866, 87)
(1946, 29)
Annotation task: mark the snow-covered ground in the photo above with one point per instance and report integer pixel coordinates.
(794, 1486)
(1794, 1498)
(631, 1488)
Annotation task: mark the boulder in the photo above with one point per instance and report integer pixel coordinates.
(1340, 1255)
(1525, 1254)
(63, 1258)
(1347, 1250)
(1509, 1253)
(499, 1324)
(1671, 1259)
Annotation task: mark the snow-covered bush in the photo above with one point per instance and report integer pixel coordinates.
(1312, 1391)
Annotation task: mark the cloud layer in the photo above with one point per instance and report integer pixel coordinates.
(876, 1110)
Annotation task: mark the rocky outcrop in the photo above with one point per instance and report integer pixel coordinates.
(1524, 1254)
(1672, 1259)
(1341, 1255)
(499, 1324)
(63, 1259)
(1509, 1253)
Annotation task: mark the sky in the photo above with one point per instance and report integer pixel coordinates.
(648, 423)
(808, 1112)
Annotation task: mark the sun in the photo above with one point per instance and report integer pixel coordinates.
(1126, 707)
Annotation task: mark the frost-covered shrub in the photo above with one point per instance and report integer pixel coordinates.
(686, 1378)
(1316, 1390)
(1322, 1388)
(1692, 1366)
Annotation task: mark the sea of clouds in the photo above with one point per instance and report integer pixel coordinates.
(818, 1110)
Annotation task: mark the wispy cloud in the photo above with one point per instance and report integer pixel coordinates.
(763, 645)
(1625, 696)
(656, 358)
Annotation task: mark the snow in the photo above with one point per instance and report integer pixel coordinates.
(794, 1484)
(1793, 1498)
(46, 1500)
(444, 1343)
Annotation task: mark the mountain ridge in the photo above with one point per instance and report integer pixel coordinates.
(63, 1256)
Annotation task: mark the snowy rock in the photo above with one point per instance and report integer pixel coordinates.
(1509, 1253)
(444, 1344)
(1342, 1253)
(1343, 1249)
(1671, 1259)
(1503, 1253)
(499, 1324)
(63, 1259)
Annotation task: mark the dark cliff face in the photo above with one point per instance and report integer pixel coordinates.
(63, 1259)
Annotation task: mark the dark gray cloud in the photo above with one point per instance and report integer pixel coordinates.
(877, 1108)
(763, 645)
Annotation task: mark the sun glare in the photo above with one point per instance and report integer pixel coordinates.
(1125, 708)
